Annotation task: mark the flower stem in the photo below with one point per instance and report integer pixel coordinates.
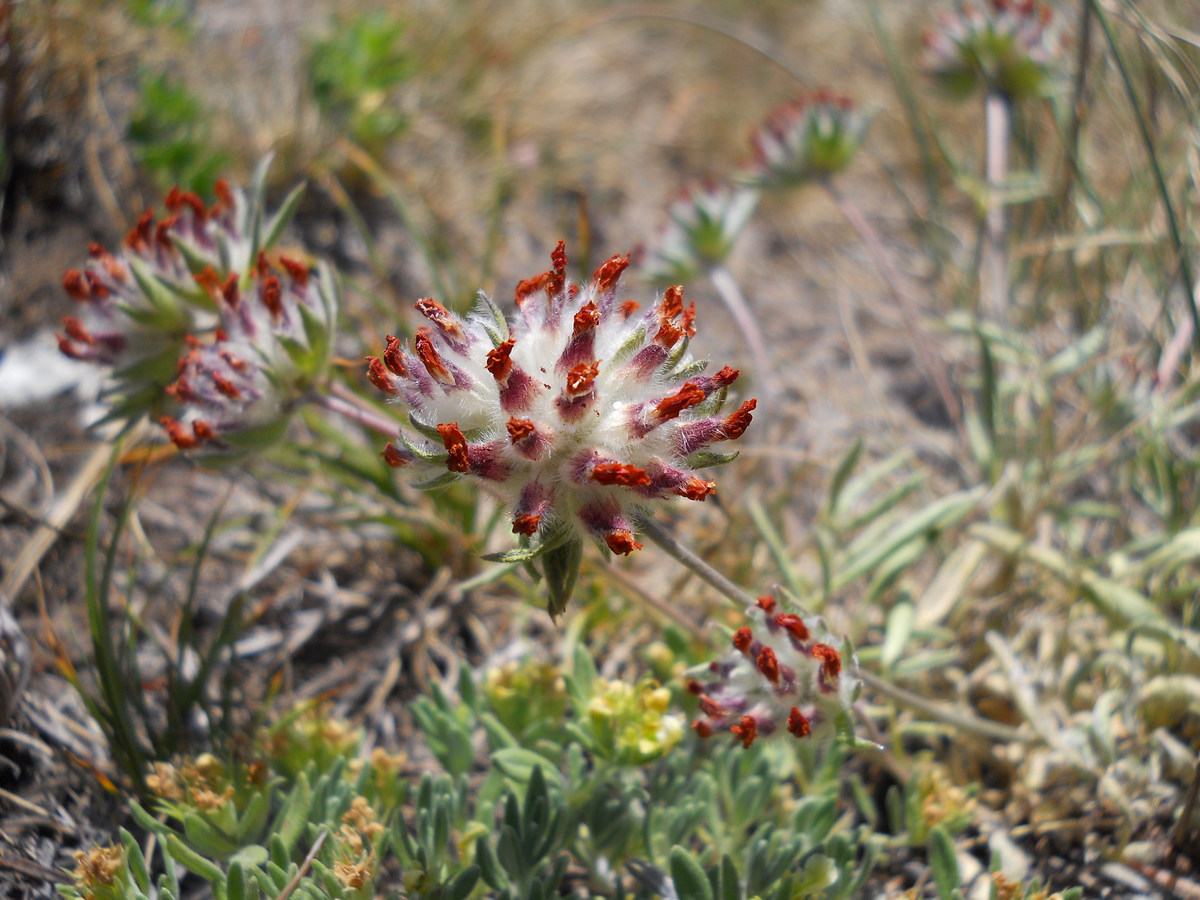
(735, 301)
(997, 124)
(347, 404)
(690, 560)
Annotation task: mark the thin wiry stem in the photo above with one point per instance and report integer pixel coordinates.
(347, 406)
(1160, 179)
(690, 560)
(735, 301)
(997, 126)
(933, 364)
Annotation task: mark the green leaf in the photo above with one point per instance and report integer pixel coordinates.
(896, 633)
(689, 879)
(489, 866)
(207, 838)
(729, 888)
(283, 215)
(519, 764)
(171, 316)
(462, 884)
(194, 862)
(292, 819)
(841, 475)
(560, 566)
(944, 863)
(235, 885)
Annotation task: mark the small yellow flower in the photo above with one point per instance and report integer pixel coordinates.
(97, 867)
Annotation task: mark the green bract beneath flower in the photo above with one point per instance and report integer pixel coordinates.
(783, 675)
(1006, 46)
(582, 411)
(809, 138)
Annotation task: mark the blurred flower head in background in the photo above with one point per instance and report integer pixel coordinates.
(1011, 47)
(705, 221)
(814, 136)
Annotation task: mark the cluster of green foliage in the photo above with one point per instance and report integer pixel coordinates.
(556, 806)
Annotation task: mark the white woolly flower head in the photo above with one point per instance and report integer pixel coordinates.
(784, 674)
(1007, 46)
(581, 411)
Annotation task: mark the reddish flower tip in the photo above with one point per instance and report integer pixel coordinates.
(831, 660)
(794, 625)
(711, 707)
(76, 285)
(628, 308)
(621, 542)
(296, 269)
(672, 301)
(230, 291)
(272, 296)
(429, 356)
(527, 524)
(581, 378)
(694, 687)
(797, 723)
(696, 489)
(702, 728)
(208, 279)
(394, 457)
(499, 362)
(378, 376)
(766, 604)
(746, 730)
(768, 664)
(139, 236)
(614, 473)
(586, 319)
(179, 435)
(609, 273)
(743, 638)
(519, 429)
(735, 426)
(456, 447)
(392, 357)
(440, 316)
(686, 397)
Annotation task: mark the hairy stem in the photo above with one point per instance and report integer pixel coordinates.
(690, 560)
(735, 301)
(997, 125)
(345, 403)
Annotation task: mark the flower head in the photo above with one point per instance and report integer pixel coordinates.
(783, 675)
(630, 723)
(1007, 46)
(706, 219)
(98, 870)
(200, 323)
(238, 388)
(811, 137)
(581, 411)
